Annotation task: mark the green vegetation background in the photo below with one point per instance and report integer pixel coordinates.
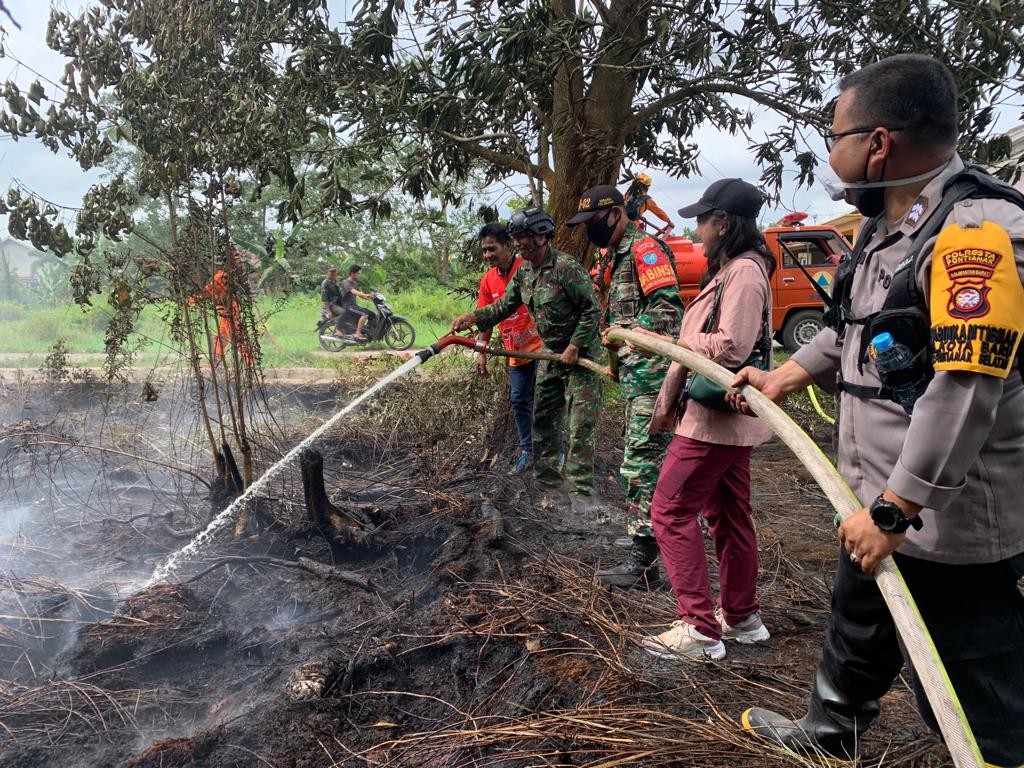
(290, 338)
(28, 333)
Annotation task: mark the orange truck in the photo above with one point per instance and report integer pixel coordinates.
(797, 307)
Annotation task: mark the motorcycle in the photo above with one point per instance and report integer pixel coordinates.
(382, 325)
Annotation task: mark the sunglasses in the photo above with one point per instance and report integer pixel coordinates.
(832, 137)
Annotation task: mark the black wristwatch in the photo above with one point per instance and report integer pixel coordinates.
(890, 518)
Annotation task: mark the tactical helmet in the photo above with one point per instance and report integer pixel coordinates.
(535, 221)
(644, 179)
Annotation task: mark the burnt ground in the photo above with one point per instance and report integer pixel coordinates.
(480, 639)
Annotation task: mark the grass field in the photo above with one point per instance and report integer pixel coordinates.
(28, 333)
(289, 341)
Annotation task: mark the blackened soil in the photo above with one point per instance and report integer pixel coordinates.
(482, 642)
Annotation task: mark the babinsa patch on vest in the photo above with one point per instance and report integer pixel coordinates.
(976, 300)
(653, 268)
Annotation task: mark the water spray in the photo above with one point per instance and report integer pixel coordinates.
(919, 644)
(225, 517)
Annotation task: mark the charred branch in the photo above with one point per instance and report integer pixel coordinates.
(302, 564)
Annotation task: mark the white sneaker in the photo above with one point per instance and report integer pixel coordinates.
(750, 630)
(683, 639)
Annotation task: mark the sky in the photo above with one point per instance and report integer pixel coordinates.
(59, 179)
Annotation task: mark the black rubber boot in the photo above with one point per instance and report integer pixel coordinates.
(831, 728)
(639, 570)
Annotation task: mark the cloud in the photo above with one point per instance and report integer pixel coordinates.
(723, 155)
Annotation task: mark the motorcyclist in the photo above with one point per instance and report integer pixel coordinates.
(330, 295)
(349, 292)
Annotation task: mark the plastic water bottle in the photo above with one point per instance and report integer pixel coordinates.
(891, 357)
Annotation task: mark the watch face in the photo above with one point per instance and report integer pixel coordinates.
(886, 516)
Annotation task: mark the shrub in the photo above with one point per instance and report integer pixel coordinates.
(11, 312)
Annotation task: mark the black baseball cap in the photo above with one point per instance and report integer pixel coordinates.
(595, 199)
(729, 195)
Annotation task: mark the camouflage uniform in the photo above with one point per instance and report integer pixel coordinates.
(640, 377)
(561, 299)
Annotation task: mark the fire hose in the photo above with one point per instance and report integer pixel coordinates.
(918, 642)
(817, 407)
(479, 346)
(916, 639)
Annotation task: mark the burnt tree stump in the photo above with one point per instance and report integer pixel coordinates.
(227, 485)
(232, 469)
(319, 508)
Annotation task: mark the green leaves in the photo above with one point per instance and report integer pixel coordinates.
(569, 92)
(35, 92)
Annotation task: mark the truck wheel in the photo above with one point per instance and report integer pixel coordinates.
(800, 328)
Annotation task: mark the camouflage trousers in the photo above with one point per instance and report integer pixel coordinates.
(566, 397)
(643, 453)
(641, 462)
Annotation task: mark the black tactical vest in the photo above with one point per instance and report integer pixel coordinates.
(904, 313)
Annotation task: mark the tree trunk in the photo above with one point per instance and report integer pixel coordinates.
(590, 124)
(575, 172)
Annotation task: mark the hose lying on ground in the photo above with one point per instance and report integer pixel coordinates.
(923, 655)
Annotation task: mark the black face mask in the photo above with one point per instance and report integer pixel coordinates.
(870, 202)
(600, 232)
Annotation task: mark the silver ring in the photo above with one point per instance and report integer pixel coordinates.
(854, 559)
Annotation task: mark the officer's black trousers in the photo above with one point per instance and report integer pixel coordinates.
(975, 614)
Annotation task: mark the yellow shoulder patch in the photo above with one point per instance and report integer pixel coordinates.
(977, 300)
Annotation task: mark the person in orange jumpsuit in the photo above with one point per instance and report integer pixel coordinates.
(220, 290)
(638, 202)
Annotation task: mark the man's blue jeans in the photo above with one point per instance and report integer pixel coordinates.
(521, 379)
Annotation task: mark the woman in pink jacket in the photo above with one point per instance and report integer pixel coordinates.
(707, 467)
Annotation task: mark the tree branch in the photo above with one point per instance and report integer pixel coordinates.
(539, 114)
(470, 144)
(302, 564)
(568, 86)
(7, 13)
(778, 104)
(602, 10)
(48, 438)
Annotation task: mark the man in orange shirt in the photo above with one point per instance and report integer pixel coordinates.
(638, 202)
(517, 332)
(222, 289)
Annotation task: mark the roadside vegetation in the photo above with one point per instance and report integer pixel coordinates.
(287, 337)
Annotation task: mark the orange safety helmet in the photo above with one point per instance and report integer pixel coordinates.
(643, 178)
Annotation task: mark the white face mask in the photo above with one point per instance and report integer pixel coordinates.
(836, 187)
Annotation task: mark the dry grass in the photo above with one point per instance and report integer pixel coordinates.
(630, 710)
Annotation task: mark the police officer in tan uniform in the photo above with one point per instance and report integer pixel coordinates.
(935, 450)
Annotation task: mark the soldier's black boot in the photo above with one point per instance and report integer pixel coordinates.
(832, 726)
(639, 569)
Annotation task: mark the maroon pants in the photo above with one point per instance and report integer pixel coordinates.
(714, 479)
